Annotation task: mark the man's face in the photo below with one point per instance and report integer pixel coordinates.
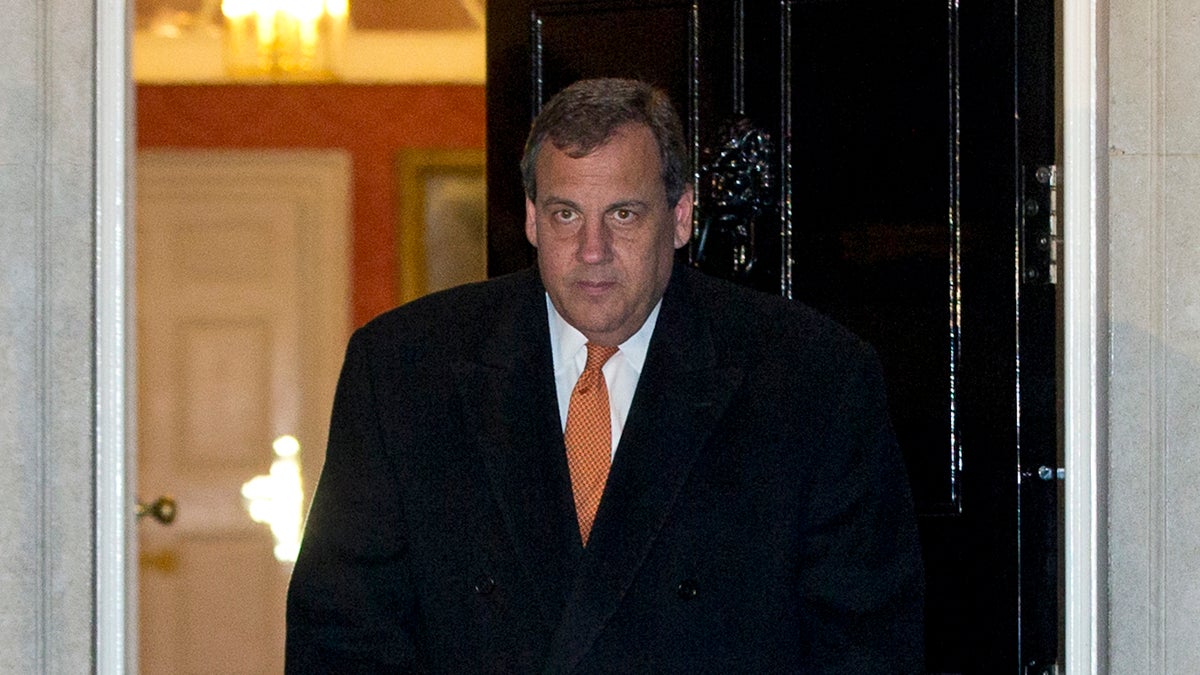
(605, 233)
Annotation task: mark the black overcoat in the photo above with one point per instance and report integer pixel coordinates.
(757, 516)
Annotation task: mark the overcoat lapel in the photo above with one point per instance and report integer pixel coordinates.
(509, 397)
(682, 392)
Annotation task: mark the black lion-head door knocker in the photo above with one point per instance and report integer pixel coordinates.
(737, 193)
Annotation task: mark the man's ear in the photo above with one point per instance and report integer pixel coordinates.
(530, 222)
(683, 218)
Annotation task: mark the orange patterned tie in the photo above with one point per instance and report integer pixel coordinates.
(589, 437)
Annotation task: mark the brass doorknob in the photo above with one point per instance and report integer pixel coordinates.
(162, 509)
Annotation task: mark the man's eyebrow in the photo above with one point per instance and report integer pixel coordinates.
(627, 204)
(552, 200)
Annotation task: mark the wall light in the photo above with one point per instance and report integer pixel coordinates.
(284, 39)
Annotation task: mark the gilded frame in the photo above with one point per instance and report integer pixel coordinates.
(414, 169)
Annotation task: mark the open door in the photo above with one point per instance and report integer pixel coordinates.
(243, 308)
(901, 163)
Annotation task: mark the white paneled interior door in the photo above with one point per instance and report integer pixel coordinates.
(242, 314)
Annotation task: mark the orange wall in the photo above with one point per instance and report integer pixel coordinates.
(371, 122)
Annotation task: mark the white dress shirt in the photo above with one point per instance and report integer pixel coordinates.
(568, 348)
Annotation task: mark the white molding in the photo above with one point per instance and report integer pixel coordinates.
(115, 642)
(1084, 311)
(1084, 321)
(370, 57)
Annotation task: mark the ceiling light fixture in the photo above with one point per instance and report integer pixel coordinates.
(284, 39)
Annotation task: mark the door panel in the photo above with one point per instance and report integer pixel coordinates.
(892, 145)
(567, 44)
(242, 306)
(876, 214)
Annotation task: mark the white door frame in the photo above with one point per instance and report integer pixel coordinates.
(1083, 51)
(1085, 327)
(116, 547)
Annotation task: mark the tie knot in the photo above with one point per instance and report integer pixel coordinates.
(598, 355)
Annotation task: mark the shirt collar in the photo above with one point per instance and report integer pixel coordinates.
(567, 343)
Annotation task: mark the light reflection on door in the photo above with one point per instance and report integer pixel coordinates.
(243, 309)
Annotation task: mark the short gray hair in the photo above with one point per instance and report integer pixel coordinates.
(585, 115)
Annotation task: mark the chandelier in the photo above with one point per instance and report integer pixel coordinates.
(284, 39)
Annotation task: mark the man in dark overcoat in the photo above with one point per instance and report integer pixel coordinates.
(610, 463)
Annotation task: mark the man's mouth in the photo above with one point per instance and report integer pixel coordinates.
(594, 287)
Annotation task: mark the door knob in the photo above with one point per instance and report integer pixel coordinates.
(162, 509)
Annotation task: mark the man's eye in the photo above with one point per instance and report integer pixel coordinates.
(623, 215)
(564, 215)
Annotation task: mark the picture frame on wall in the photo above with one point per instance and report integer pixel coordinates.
(441, 227)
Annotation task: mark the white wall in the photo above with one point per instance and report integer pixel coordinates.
(1154, 311)
(46, 304)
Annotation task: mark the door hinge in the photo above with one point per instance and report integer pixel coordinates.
(1040, 239)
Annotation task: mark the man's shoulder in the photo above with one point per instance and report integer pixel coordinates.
(458, 314)
(783, 345)
(745, 315)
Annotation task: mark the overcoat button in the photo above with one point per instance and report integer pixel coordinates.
(687, 589)
(484, 584)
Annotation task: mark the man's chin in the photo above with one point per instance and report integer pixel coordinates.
(593, 324)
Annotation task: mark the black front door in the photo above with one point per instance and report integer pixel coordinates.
(890, 164)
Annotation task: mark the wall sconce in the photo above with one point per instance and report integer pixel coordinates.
(284, 39)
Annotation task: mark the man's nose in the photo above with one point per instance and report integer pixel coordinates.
(595, 242)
